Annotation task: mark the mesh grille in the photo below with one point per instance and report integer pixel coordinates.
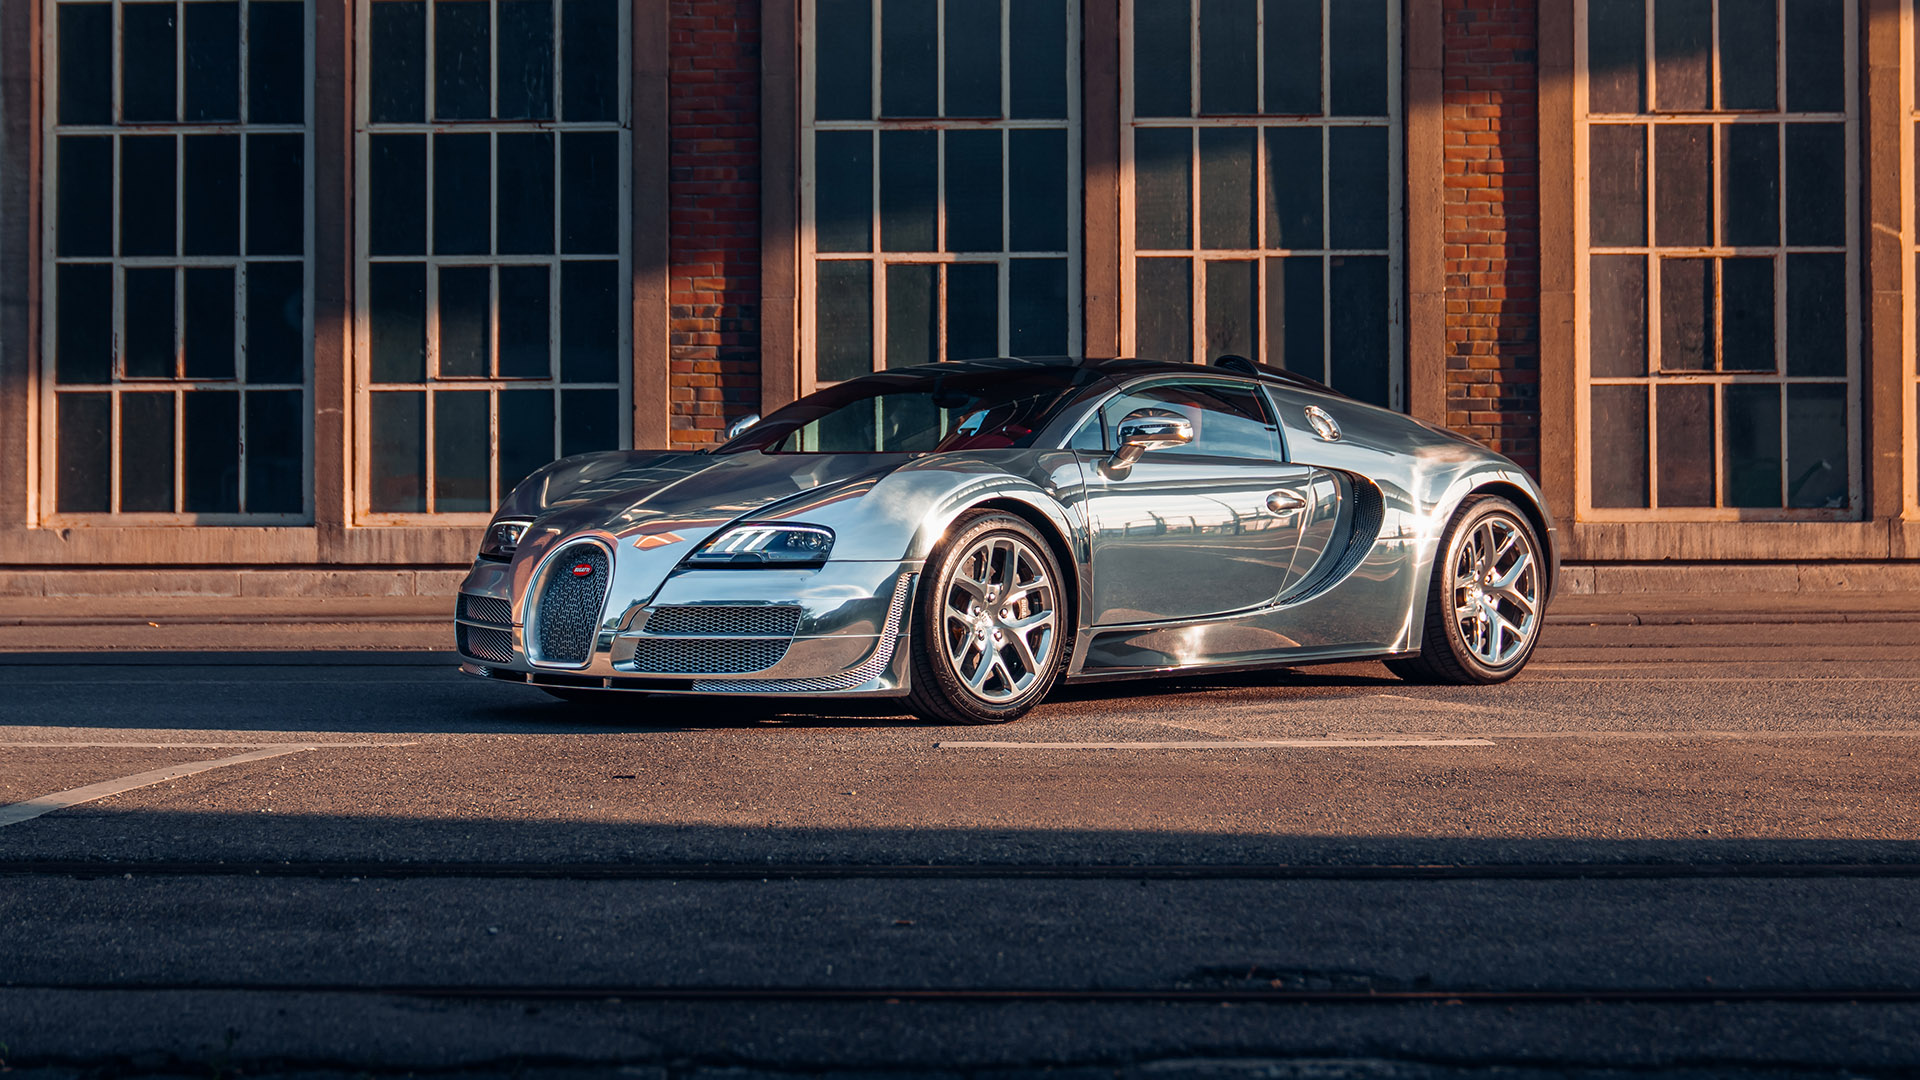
(493, 646)
(486, 609)
(707, 656)
(724, 620)
(569, 611)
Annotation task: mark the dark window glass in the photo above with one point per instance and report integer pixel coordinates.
(843, 193)
(1750, 185)
(1617, 185)
(397, 75)
(398, 326)
(908, 171)
(524, 323)
(461, 198)
(913, 315)
(461, 48)
(1357, 187)
(1037, 307)
(86, 63)
(147, 62)
(276, 483)
(1619, 429)
(1226, 187)
(462, 445)
(907, 61)
(213, 60)
(276, 194)
(1817, 185)
(1686, 445)
(276, 339)
(590, 321)
(973, 194)
(589, 192)
(397, 196)
(1816, 46)
(466, 332)
(1164, 327)
(1618, 296)
(1233, 325)
(973, 60)
(85, 472)
(523, 213)
(212, 442)
(1746, 314)
(1750, 446)
(399, 452)
(973, 311)
(1037, 175)
(1748, 50)
(843, 80)
(85, 183)
(1357, 296)
(1293, 57)
(1293, 187)
(1228, 421)
(1357, 44)
(208, 333)
(589, 421)
(843, 318)
(147, 349)
(1683, 201)
(1817, 459)
(147, 213)
(211, 207)
(526, 434)
(590, 67)
(1686, 314)
(1162, 187)
(1229, 41)
(146, 453)
(526, 60)
(1162, 57)
(1616, 56)
(277, 61)
(1817, 315)
(1296, 316)
(1037, 39)
(1682, 52)
(83, 327)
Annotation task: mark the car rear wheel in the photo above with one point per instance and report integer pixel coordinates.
(1485, 603)
(991, 627)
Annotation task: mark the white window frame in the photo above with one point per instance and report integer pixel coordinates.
(44, 434)
(1584, 380)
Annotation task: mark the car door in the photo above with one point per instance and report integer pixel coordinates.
(1195, 530)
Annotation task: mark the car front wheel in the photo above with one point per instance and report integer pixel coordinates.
(1487, 598)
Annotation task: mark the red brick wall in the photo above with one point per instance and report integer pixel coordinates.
(1492, 224)
(713, 98)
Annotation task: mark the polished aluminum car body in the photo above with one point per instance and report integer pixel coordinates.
(1172, 562)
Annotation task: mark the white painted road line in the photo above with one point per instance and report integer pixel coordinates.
(27, 744)
(46, 804)
(1211, 744)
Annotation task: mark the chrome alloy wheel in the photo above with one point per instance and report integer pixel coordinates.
(1000, 617)
(1496, 589)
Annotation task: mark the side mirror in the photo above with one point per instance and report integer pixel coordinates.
(739, 427)
(1149, 429)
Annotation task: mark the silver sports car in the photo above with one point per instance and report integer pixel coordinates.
(967, 535)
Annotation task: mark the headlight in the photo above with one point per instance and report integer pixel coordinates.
(502, 538)
(766, 545)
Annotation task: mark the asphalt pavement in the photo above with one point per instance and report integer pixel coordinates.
(1677, 845)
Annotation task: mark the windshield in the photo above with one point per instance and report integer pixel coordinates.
(918, 411)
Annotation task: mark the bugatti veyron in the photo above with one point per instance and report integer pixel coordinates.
(966, 536)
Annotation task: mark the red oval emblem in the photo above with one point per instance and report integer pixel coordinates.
(583, 570)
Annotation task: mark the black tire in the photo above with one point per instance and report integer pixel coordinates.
(951, 644)
(1447, 654)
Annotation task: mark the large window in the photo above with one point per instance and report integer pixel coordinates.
(1263, 217)
(176, 275)
(493, 160)
(1717, 276)
(940, 178)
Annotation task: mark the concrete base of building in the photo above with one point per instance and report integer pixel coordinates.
(1809, 579)
(277, 582)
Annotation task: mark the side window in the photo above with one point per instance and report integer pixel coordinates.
(1228, 421)
(1090, 438)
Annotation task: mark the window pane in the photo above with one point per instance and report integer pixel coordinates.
(398, 327)
(1746, 314)
(1683, 201)
(589, 421)
(83, 336)
(1357, 44)
(1816, 185)
(1817, 461)
(908, 65)
(276, 339)
(147, 211)
(973, 194)
(589, 192)
(1748, 52)
(1686, 445)
(1037, 175)
(1752, 447)
(149, 344)
(276, 204)
(1293, 57)
(1162, 57)
(843, 191)
(526, 60)
(1164, 325)
(590, 60)
(1233, 325)
(1296, 332)
(212, 442)
(461, 52)
(213, 60)
(1817, 315)
(1226, 187)
(1617, 185)
(913, 318)
(1162, 186)
(523, 214)
(1293, 187)
(461, 200)
(398, 460)
(1618, 294)
(397, 196)
(973, 59)
(1616, 56)
(209, 322)
(86, 63)
(973, 311)
(590, 299)
(1686, 314)
(524, 323)
(276, 421)
(462, 445)
(1619, 419)
(843, 317)
(1816, 76)
(1358, 295)
(843, 72)
(85, 189)
(1229, 40)
(908, 168)
(526, 434)
(1037, 307)
(146, 453)
(277, 61)
(1750, 185)
(466, 335)
(397, 75)
(147, 62)
(211, 209)
(1357, 187)
(1037, 39)
(1682, 49)
(84, 475)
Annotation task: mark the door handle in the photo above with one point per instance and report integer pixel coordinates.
(1286, 501)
